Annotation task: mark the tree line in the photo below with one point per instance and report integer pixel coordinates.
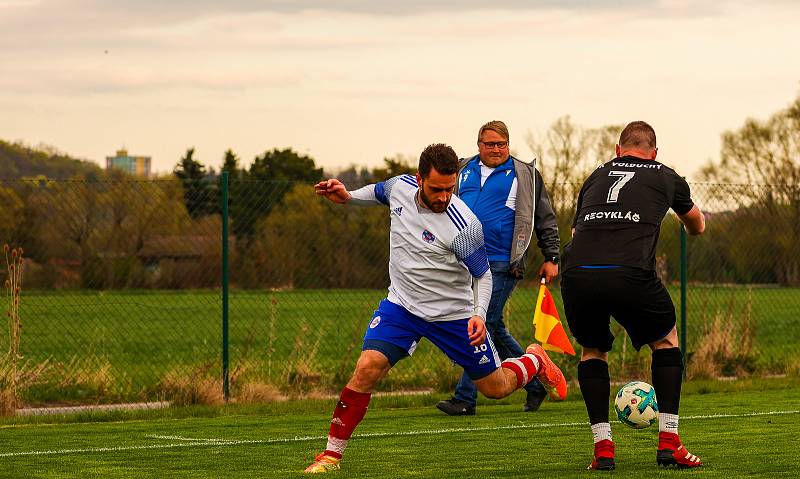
(104, 231)
(18, 160)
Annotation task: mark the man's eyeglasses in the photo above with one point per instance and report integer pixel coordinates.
(490, 145)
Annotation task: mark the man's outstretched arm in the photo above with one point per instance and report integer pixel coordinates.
(333, 190)
(374, 194)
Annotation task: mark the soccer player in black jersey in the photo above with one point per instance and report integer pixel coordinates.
(609, 270)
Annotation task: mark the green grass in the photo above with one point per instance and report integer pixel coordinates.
(108, 346)
(407, 437)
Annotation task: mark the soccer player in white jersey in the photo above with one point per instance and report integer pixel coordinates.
(437, 266)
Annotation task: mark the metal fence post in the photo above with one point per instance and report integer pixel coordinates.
(225, 378)
(683, 293)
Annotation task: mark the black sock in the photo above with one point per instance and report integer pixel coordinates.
(667, 370)
(594, 381)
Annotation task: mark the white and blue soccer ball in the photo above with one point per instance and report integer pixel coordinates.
(636, 405)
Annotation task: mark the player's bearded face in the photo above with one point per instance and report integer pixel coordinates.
(436, 190)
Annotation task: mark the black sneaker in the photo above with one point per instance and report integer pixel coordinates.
(455, 407)
(534, 400)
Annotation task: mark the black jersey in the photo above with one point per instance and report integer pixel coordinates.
(619, 213)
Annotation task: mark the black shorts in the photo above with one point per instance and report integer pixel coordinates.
(634, 297)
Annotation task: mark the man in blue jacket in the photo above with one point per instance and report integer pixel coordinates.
(509, 198)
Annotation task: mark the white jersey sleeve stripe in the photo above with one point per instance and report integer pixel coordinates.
(410, 180)
(458, 214)
(454, 220)
(454, 217)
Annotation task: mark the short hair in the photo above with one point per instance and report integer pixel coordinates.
(496, 126)
(638, 134)
(440, 157)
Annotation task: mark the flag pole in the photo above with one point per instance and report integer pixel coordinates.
(538, 309)
(547, 327)
(539, 299)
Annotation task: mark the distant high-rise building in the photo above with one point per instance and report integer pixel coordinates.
(135, 165)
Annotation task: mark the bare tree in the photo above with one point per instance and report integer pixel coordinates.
(767, 153)
(566, 154)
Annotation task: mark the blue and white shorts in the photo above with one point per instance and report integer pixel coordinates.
(395, 332)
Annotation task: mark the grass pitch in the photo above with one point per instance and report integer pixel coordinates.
(739, 429)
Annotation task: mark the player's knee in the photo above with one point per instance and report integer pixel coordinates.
(370, 369)
(667, 342)
(593, 353)
(367, 372)
(364, 379)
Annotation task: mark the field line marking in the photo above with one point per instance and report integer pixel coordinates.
(110, 449)
(189, 442)
(182, 438)
(746, 414)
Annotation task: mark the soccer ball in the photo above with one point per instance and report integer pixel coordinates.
(636, 405)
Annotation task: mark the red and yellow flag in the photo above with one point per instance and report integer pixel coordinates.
(548, 329)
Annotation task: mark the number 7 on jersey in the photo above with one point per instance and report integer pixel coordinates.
(622, 178)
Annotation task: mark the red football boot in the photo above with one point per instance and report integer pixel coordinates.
(603, 456)
(671, 452)
(549, 374)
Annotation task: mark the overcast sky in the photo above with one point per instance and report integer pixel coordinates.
(353, 81)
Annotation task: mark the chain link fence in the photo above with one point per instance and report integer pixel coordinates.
(121, 293)
(743, 276)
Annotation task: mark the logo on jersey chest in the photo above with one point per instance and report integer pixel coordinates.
(398, 211)
(428, 237)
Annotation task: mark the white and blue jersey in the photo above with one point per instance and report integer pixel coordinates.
(433, 258)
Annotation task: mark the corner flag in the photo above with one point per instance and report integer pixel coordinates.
(547, 326)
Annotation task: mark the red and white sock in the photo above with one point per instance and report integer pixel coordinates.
(350, 410)
(525, 367)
